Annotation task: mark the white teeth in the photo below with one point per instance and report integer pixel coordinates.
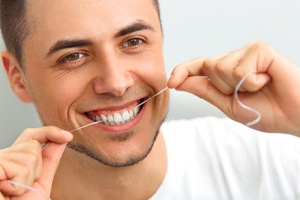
(110, 119)
(131, 114)
(126, 116)
(104, 118)
(98, 118)
(135, 111)
(117, 118)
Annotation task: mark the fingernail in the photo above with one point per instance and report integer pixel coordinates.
(171, 77)
(67, 133)
(170, 81)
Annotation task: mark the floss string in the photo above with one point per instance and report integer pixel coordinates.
(255, 121)
(82, 127)
(22, 185)
(251, 123)
(100, 121)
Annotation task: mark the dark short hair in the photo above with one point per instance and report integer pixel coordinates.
(14, 26)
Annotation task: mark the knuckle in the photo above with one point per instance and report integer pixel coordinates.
(25, 171)
(259, 46)
(197, 60)
(35, 152)
(219, 69)
(27, 131)
(33, 158)
(52, 129)
(34, 145)
(207, 63)
(207, 66)
(25, 136)
(238, 74)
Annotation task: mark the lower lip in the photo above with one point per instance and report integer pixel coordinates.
(119, 129)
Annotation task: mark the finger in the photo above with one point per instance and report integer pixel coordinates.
(1, 196)
(195, 67)
(204, 88)
(27, 154)
(45, 134)
(254, 62)
(51, 158)
(29, 171)
(254, 81)
(25, 176)
(7, 188)
(21, 162)
(219, 83)
(222, 70)
(13, 188)
(181, 72)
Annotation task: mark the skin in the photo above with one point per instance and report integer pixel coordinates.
(108, 75)
(25, 162)
(273, 89)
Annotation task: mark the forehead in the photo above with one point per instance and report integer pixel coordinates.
(75, 18)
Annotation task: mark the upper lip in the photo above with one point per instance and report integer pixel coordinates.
(115, 108)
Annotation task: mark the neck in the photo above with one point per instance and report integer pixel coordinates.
(140, 181)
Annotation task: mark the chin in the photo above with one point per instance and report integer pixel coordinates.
(120, 152)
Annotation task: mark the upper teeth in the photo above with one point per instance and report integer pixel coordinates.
(117, 118)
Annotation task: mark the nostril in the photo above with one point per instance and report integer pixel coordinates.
(115, 83)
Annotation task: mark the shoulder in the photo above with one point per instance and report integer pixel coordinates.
(224, 151)
(231, 145)
(223, 130)
(211, 129)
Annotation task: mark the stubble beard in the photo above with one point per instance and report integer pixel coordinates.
(120, 138)
(82, 149)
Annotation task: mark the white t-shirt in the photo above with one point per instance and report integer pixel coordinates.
(211, 158)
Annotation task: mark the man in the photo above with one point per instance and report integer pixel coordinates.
(83, 61)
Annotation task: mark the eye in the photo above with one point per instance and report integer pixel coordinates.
(72, 57)
(134, 42)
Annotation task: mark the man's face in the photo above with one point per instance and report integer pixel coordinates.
(96, 59)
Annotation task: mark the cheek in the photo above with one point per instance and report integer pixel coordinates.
(56, 93)
(68, 89)
(153, 71)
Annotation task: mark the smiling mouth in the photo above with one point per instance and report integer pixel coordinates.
(115, 118)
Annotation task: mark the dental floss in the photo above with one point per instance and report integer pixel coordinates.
(93, 123)
(251, 123)
(151, 97)
(255, 121)
(98, 122)
(22, 185)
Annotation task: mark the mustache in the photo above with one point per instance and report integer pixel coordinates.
(111, 99)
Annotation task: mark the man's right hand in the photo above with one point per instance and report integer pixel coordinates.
(25, 162)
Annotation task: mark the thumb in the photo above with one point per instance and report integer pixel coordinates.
(204, 88)
(51, 156)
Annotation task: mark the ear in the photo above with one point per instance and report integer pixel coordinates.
(15, 77)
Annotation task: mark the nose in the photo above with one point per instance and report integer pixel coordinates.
(113, 77)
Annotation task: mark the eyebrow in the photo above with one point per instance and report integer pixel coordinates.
(136, 26)
(65, 44)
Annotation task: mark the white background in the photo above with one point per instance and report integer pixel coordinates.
(191, 28)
